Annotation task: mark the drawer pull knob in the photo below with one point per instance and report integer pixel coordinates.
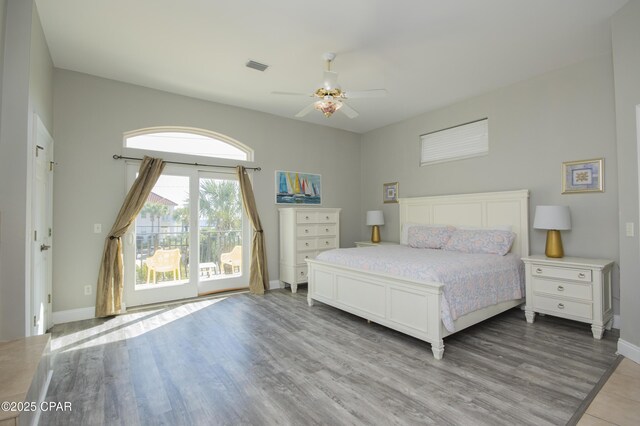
(306, 217)
(581, 275)
(326, 243)
(539, 270)
(560, 305)
(306, 257)
(301, 273)
(560, 288)
(306, 231)
(327, 217)
(326, 230)
(306, 244)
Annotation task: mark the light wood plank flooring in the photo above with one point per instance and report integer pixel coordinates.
(273, 360)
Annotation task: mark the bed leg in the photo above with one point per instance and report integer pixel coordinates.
(529, 315)
(438, 349)
(294, 288)
(309, 301)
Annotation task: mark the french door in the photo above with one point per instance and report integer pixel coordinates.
(188, 240)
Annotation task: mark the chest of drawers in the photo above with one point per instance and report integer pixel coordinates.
(305, 232)
(570, 287)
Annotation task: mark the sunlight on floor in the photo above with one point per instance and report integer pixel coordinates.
(128, 326)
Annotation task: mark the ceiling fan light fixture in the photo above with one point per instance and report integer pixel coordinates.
(327, 106)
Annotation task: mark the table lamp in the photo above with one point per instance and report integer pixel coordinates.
(375, 218)
(554, 219)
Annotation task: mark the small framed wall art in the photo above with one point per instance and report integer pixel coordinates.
(583, 176)
(390, 192)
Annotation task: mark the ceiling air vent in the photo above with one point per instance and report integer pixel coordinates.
(256, 65)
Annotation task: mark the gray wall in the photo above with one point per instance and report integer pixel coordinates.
(27, 88)
(91, 115)
(626, 45)
(534, 126)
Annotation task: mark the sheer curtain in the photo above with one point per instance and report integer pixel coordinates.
(110, 276)
(258, 274)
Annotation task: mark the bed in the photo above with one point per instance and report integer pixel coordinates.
(413, 306)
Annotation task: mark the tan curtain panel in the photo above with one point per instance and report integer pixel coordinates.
(110, 276)
(258, 274)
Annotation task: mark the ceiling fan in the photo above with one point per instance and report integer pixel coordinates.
(330, 97)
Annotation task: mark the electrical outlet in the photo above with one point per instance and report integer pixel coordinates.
(87, 290)
(97, 228)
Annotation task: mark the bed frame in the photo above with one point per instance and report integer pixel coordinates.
(410, 306)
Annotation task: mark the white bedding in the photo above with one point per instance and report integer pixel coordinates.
(471, 281)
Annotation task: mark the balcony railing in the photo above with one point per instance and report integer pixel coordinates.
(212, 244)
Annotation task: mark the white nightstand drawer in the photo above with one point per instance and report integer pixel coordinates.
(307, 244)
(327, 217)
(327, 243)
(306, 217)
(302, 257)
(574, 274)
(565, 289)
(307, 230)
(563, 307)
(327, 229)
(301, 274)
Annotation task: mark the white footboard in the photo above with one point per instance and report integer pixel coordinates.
(401, 304)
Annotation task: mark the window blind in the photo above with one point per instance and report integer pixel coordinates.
(455, 143)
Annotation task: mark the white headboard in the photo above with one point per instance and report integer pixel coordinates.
(481, 210)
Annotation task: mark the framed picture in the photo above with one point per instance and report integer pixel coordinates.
(298, 188)
(390, 192)
(583, 176)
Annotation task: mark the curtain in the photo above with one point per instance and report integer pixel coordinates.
(258, 274)
(110, 276)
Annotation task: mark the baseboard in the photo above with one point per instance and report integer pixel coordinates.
(616, 322)
(71, 315)
(629, 350)
(274, 284)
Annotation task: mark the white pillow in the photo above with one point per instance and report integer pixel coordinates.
(488, 228)
(404, 233)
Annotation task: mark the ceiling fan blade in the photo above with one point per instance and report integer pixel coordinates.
(306, 110)
(330, 80)
(348, 111)
(373, 93)
(291, 93)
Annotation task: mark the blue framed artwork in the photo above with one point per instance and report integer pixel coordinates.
(583, 176)
(298, 188)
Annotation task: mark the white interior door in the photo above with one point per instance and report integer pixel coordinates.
(42, 201)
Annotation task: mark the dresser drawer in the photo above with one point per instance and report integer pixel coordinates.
(307, 244)
(307, 230)
(329, 229)
(560, 307)
(303, 256)
(327, 243)
(574, 274)
(327, 217)
(301, 274)
(565, 289)
(306, 217)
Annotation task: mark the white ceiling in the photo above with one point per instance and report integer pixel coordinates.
(426, 53)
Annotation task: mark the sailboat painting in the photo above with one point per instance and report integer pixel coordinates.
(298, 188)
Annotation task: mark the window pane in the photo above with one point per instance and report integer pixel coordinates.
(220, 218)
(162, 234)
(186, 143)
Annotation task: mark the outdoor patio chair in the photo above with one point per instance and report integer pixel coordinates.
(164, 261)
(233, 259)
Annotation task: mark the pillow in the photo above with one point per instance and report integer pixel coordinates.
(431, 237)
(488, 228)
(404, 233)
(481, 241)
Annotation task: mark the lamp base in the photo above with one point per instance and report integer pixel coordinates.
(375, 234)
(554, 244)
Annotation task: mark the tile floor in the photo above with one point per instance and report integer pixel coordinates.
(618, 402)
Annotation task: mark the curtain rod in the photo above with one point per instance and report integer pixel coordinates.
(120, 157)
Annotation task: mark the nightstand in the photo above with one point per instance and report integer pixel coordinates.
(570, 287)
(370, 244)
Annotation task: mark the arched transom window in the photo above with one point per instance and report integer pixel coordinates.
(182, 140)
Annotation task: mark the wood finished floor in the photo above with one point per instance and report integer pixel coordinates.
(273, 360)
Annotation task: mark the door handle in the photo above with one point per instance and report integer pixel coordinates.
(44, 247)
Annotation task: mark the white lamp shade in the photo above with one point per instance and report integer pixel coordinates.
(375, 217)
(552, 217)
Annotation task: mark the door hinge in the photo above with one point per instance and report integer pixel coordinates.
(35, 321)
(49, 298)
(51, 164)
(35, 235)
(49, 231)
(38, 148)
